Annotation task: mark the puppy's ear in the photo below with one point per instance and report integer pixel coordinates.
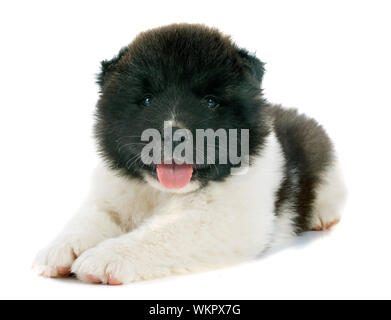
(107, 67)
(254, 66)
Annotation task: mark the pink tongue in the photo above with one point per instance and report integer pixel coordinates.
(174, 175)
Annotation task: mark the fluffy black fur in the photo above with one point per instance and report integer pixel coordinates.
(178, 66)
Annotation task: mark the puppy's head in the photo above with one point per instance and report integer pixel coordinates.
(184, 77)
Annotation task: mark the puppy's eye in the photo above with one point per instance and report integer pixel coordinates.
(146, 101)
(211, 102)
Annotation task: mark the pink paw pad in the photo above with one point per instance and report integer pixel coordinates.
(93, 279)
(332, 223)
(325, 227)
(112, 281)
(63, 271)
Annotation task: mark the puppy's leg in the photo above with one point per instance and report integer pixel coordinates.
(177, 241)
(88, 228)
(330, 199)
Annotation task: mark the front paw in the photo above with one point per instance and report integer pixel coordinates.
(104, 264)
(56, 260)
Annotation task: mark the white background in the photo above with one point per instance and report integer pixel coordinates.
(329, 59)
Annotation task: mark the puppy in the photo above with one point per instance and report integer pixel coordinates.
(144, 219)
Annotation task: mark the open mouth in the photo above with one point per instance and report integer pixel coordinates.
(174, 176)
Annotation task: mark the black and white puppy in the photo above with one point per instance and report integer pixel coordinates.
(143, 220)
